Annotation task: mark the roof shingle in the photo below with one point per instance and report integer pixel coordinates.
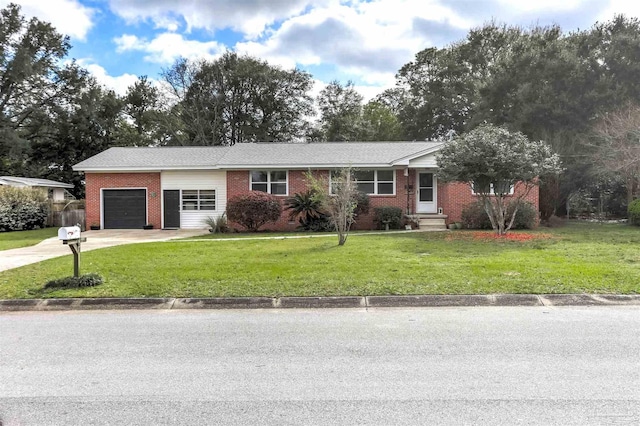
(251, 155)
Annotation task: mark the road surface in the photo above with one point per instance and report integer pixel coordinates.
(488, 365)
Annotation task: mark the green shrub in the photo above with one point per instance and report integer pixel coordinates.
(22, 208)
(525, 217)
(391, 216)
(475, 217)
(217, 225)
(87, 280)
(634, 212)
(253, 209)
(363, 203)
(307, 207)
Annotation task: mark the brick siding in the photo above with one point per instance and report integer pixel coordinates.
(96, 181)
(238, 183)
(453, 197)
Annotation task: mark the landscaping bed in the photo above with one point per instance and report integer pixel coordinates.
(590, 258)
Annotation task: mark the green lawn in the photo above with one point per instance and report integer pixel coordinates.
(17, 239)
(577, 258)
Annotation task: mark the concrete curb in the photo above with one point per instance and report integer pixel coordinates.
(436, 300)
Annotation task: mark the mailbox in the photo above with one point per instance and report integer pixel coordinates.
(69, 233)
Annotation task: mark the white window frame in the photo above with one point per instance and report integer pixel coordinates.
(491, 192)
(375, 181)
(198, 200)
(269, 182)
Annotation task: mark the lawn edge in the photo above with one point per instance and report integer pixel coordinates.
(443, 300)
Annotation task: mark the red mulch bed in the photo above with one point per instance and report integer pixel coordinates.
(492, 236)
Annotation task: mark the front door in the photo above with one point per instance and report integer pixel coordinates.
(426, 193)
(171, 207)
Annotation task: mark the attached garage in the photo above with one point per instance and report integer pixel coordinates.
(124, 208)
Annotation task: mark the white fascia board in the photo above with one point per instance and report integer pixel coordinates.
(237, 167)
(303, 167)
(140, 169)
(404, 161)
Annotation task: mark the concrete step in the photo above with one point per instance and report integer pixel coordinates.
(433, 227)
(433, 222)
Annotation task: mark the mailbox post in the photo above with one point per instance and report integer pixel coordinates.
(70, 235)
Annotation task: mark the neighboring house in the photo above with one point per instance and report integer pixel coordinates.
(178, 187)
(56, 191)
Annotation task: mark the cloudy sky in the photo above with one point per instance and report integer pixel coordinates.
(365, 41)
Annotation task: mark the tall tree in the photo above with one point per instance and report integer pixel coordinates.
(340, 112)
(438, 94)
(379, 123)
(32, 82)
(142, 106)
(236, 99)
(89, 122)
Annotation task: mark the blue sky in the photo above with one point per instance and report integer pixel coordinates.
(365, 41)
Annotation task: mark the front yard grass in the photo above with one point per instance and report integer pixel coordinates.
(17, 239)
(591, 258)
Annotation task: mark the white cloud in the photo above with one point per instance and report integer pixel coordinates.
(119, 84)
(540, 5)
(69, 17)
(616, 7)
(167, 47)
(368, 40)
(249, 17)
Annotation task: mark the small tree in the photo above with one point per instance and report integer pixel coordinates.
(339, 200)
(618, 150)
(253, 209)
(492, 160)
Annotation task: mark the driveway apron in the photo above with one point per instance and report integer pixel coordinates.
(52, 247)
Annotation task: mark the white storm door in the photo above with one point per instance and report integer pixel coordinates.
(426, 193)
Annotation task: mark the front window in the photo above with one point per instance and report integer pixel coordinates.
(198, 199)
(273, 182)
(504, 187)
(374, 182)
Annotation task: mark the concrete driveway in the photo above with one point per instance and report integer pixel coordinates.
(52, 247)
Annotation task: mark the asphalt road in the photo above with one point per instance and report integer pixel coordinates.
(565, 366)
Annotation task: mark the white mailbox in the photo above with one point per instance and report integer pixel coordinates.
(69, 233)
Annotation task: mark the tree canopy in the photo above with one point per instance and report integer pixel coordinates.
(493, 161)
(541, 81)
(236, 99)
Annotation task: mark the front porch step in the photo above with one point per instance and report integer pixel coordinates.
(433, 221)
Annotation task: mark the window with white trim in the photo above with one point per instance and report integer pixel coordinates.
(198, 199)
(273, 182)
(476, 189)
(374, 182)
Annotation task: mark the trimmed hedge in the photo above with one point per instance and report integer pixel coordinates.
(475, 217)
(634, 212)
(388, 215)
(22, 208)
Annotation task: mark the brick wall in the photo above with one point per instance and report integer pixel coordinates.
(151, 181)
(238, 183)
(453, 197)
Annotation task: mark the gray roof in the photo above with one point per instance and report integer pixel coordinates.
(24, 181)
(252, 155)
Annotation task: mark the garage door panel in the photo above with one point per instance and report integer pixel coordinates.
(124, 208)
